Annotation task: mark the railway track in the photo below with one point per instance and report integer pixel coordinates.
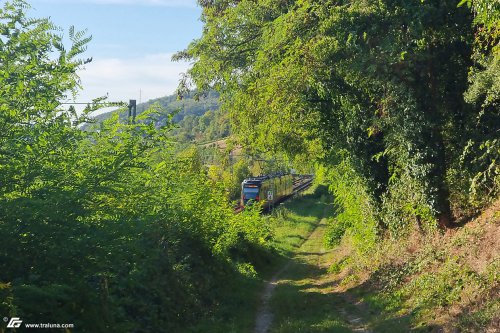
(301, 183)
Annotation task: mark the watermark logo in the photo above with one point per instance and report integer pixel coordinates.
(14, 322)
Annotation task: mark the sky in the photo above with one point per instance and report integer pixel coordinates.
(132, 43)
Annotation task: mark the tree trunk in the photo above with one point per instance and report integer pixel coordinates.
(444, 216)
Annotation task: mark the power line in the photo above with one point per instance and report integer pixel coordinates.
(92, 103)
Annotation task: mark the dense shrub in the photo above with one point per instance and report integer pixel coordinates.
(356, 213)
(108, 229)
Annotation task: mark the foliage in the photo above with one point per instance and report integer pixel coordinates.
(198, 118)
(443, 289)
(426, 281)
(178, 108)
(378, 85)
(356, 214)
(113, 223)
(212, 125)
(483, 150)
(476, 321)
(230, 177)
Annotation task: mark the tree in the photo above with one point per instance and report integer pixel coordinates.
(107, 223)
(483, 149)
(38, 73)
(378, 83)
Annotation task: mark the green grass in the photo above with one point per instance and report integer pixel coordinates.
(292, 223)
(294, 220)
(398, 299)
(237, 313)
(298, 303)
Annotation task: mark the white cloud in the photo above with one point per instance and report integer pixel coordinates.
(142, 78)
(166, 3)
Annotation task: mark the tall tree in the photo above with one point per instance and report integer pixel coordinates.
(379, 83)
(37, 74)
(483, 148)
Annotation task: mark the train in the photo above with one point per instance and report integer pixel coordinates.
(270, 188)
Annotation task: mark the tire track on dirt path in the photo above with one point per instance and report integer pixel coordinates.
(265, 316)
(312, 252)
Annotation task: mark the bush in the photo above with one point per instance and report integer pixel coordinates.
(356, 213)
(107, 223)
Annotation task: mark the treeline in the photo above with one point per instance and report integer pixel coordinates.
(212, 125)
(111, 230)
(197, 118)
(398, 101)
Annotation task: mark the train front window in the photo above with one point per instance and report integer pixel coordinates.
(250, 192)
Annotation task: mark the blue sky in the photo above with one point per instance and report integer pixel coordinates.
(132, 43)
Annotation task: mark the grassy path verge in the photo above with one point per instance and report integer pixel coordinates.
(294, 223)
(300, 297)
(305, 299)
(426, 283)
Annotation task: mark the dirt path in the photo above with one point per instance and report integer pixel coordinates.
(264, 315)
(304, 294)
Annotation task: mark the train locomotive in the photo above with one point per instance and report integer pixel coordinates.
(271, 189)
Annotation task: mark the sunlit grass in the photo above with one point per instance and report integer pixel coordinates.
(292, 222)
(302, 302)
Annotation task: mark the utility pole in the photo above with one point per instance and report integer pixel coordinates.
(132, 111)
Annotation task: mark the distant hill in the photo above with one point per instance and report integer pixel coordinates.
(198, 120)
(171, 104)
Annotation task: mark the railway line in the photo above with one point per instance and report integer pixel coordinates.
(301, 183)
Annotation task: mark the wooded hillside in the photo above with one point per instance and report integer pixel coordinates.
(197, 118)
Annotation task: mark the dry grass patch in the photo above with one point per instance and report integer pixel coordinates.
(428, 282)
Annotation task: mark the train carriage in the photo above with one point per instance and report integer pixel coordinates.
(271, 189)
